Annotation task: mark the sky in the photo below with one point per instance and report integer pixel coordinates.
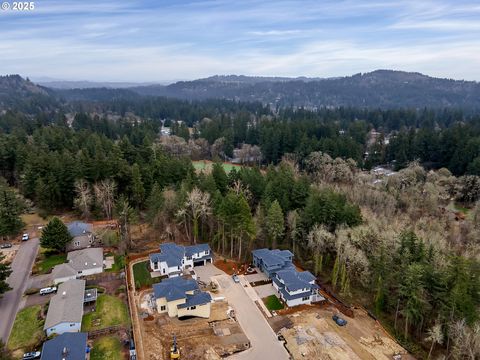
(167, 40)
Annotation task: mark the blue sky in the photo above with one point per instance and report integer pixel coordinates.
(158, 40)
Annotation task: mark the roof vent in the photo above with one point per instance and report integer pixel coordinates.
(86, 263)
(65, 351)
(64, 294)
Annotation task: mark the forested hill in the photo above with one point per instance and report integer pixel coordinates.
(19, 93)
(382, 88)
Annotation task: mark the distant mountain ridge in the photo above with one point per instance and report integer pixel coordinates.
(377, 89)
(383, 89)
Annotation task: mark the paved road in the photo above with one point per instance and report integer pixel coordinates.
(21, 266)
(265, 344)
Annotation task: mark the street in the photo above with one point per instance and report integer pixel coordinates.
(21, 268)
(265, 344)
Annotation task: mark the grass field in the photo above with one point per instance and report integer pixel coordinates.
(207, 165)
(119, 264)
(106, 348)
(27, 331)
(272, 303)
(48, 261)
(110, 311)
(142, 276)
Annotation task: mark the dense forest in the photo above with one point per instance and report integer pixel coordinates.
(405, 246)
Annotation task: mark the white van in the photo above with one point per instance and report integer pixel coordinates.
(48, 290)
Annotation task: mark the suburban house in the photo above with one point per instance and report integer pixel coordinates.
(180, 297)
(271, 261)
(67, 346)
(82, 234)
(296, 287)
(79, 263)
(173, 259)
(65, 311)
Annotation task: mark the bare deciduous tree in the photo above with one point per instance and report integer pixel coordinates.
(105, 195)
(84, 197)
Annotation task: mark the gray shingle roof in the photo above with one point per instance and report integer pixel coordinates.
(78, 228)
(75, 345)
(174, 288)
(62, 271)
(85, 259)
(67, 304)
(195, 249)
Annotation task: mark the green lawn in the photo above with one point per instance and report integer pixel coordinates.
(110, 311)
(119, 264)
(142, 275)
(48, 261)
(27, 332)
(106, 348)
(272, 303)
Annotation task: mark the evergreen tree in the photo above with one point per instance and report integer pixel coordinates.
(5, 272)
(55, 235)
(275, 224)
(10, 210)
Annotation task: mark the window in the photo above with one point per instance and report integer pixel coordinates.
(72, 325)
(77, 243)
(164, 271)
(306, 298)
(207, 252)
(162, 308)
(192, 308)
(189, 258)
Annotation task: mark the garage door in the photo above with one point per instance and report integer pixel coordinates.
(199, 263)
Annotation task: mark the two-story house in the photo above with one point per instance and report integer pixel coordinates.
(296, 288)
(181, 297)
(173, 259)
(272, 261)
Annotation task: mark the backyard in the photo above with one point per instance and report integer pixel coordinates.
(107, 347)
(142, 275)
(27, 330)
(110, 311)
(272, 303)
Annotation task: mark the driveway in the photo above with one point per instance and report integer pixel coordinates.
(206, 272)
(265, 344)
(264, 291)
(18, 279)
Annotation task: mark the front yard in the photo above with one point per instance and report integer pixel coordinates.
(27, 332)
(107, 347)
(110, 311)
(47, 260)
(272, 303)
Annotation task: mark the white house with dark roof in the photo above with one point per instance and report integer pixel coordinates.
(293, 287)
(296, 287)
(79, 263)
(181, 297)
(173, 259)
(65, 311)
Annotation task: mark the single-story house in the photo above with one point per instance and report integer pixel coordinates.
(82, 234)
(67, 346)
(173, 259)
(296, 288)
(181, 297)
(79, 263)
(271, 261)
(65, 311)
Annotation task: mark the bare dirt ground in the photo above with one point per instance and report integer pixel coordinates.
(197, 338)
(314, 335)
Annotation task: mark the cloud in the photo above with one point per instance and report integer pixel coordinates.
(161, 40)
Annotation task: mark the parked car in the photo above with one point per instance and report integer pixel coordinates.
(48, 290)
(339, 320)
(25, 237)
(5, 246)
(235, 278)
(32, 355)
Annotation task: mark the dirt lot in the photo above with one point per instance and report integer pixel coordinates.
(197, 338)
(314, 335)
